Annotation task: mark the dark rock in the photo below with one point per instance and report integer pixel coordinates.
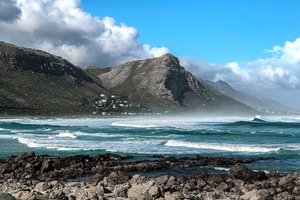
(78, 175)
(95, 178)
(47, 166)
(117, 178)
(241, 172)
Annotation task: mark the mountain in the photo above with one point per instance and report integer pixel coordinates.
(37, 82)
(261, 105)
(163, 84)
(34, 82)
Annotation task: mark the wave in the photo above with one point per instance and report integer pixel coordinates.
(124, 124)
(261, 123)
(66, 135)
(71, 149)
(12, 125)
(258, 118)
(30, 142)
(100, 134)
(221, 169)
(221, 147)
(7, 136)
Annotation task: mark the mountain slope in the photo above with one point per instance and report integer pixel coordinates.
(261, 105)
(161, 83)
(36, 82)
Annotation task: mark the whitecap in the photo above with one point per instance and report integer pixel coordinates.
(257, 117)
(133, 125)
(99, 134)
(29, 142)
(67, 149)
(265, 171)
(221, 168)
(7, 136)
(221, 147)
(66, 134)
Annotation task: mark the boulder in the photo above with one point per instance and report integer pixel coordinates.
(172, 196)
(257, 195)
(143, 190)
(47, 166)
(161, 180)
(296, 190)
(25, 195)
(284, 196)
(120, 190)
(42, 187)
(154, 191)
(92, 192)
(241, 172)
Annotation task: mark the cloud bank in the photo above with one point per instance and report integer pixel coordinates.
(278, 75)
(63, 28)
(9, 11)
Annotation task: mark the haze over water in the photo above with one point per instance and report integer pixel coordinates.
(272, 137)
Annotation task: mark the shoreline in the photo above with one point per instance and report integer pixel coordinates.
(111, 176)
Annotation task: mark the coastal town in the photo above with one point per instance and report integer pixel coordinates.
(111, 104)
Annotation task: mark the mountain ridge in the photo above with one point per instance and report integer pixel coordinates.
(163, 82)
(36, 82)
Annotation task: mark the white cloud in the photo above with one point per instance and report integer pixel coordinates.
(235, 68)
(264, 77)
(281, 71)
(291, 52)
(63, 28)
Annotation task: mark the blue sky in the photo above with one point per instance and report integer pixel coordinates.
(214, 31)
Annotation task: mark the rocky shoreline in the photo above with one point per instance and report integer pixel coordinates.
(110, 176)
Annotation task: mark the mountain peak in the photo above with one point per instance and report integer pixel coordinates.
(168, 55)
(169, 58)
(163, 84)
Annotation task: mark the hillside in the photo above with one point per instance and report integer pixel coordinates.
(163, 84)
(36, 82)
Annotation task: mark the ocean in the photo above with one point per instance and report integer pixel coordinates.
(276, 139)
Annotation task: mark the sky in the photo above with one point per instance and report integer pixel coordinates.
(252, 44)
(215, 31)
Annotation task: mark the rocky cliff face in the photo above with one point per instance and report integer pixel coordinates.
(162, 83)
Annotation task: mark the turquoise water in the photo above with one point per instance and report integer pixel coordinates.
(277, 138)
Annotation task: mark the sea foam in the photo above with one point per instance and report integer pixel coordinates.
(133, 125)
(66, 135)
(30, 142)
(221, 147)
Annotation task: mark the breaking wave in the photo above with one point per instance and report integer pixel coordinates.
(66, 135)
(221, 147)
